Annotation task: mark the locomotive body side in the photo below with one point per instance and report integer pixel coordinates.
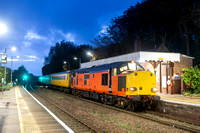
(91, 82)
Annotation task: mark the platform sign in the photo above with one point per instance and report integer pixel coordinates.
(4, 58)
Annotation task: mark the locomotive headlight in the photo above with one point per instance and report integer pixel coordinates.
(133, 89)
(154, 89)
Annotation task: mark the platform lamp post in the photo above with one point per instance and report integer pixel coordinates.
(3, 30)
(3, 61)
(12, 49)
(79, 61)
(12, 66)
(92, 55)
(66, 65)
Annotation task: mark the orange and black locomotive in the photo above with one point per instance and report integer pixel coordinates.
(124, 84)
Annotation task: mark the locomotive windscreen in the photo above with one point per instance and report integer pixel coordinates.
(135, 66)
(130, 67)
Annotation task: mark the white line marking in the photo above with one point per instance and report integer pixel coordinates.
(54, 116)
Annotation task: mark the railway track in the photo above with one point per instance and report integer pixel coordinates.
(149, 115)
(73, 121)
(173, 117)
(153, 116)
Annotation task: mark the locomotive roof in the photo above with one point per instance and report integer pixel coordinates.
(101, 68)
(61, 73)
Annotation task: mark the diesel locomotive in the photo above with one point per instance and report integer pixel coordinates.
(123, 84)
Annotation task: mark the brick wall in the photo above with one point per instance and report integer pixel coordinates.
(175, 87)
(184, 62)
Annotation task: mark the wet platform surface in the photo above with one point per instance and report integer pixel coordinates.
(20, 113)
(180, 99)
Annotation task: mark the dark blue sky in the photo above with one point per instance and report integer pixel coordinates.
(36, 25)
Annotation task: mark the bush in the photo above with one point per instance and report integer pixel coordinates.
(191, 94)
(191, 78)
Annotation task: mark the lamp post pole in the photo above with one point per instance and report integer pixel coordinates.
(5, 69)
(79, 59)
(11, 69)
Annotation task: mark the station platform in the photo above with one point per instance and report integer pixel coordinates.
(20, 113)
(180, 99)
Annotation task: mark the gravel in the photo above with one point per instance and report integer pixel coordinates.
(107, 119)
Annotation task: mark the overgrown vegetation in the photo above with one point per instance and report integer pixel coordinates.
(191, 78)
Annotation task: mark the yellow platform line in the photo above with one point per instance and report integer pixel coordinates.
(27, 121)
(180, 100)
(18, 109)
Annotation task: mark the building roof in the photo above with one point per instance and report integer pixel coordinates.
(161, 48)
(137, 56)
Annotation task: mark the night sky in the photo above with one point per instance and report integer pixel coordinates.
(33, 26)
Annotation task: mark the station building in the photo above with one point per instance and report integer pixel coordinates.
(165, 65)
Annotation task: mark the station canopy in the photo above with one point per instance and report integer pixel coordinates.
(136, 56)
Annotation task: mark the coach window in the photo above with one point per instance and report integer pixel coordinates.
(104, 80)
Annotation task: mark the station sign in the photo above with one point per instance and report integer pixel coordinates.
(4, 58)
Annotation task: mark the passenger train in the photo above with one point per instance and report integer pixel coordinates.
(123, 84)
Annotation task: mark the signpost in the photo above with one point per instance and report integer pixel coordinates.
(3, 58)
(3, 61)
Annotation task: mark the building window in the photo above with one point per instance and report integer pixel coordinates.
(104, 80)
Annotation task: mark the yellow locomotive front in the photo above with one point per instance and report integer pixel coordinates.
(140, 87)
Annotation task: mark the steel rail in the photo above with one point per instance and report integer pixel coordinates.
(171, 117)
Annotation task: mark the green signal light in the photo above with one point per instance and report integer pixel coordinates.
(25, 77)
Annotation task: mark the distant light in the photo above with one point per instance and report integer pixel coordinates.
(89, 53)
(65, 62)
(25, 77)
(3, 28)
(75, 58)
(13, 49)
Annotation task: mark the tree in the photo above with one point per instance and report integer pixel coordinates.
(2, 72)
(18, 75)
(65, 52)
(150, 23)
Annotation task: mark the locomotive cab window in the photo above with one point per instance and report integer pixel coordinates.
(104, 79)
